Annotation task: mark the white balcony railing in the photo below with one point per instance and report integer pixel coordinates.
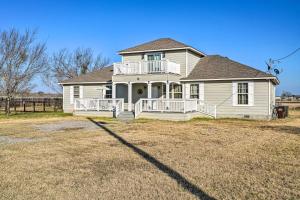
(146, 67)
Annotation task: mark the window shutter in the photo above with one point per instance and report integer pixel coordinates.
(234, 93)
(251, 93)
(201, 91)
(187, 90)
(81, 91)
(71, 94)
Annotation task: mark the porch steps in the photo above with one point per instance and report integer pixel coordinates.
(126, 116)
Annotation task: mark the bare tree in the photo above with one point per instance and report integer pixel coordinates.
(65, 65)
(21, 59)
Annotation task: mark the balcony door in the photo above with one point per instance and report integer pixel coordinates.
(154, 62)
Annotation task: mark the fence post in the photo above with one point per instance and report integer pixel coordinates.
(44, 107)
(54, 105)
(24, 106)
(33, 104)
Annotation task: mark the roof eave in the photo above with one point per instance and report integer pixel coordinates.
(84, 82)
(168, 49)
(276, 81)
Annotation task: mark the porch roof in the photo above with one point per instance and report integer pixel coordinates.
(98, 76)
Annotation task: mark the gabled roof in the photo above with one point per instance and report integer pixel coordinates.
(216, 67)
(98, 76)
(159, 45)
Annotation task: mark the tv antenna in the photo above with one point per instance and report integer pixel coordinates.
(273, 64)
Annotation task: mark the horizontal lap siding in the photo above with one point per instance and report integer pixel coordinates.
(93, 91)
(220, 94)
(193, 59)
(67, 107)
(132, 57)
(178, 57)
(89, 91)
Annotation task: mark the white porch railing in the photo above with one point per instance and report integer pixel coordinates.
(207, 109)
(174, 106)
(88, 104)
(146, 67)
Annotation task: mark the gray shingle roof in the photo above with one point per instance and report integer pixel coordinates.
(102, 75)
(218, 67)
(159, 44)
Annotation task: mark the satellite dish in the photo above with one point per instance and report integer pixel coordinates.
(276, 71)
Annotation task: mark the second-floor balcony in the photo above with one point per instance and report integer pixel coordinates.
(146, 67)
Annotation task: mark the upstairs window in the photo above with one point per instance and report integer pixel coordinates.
(194, 88)
(243, 94)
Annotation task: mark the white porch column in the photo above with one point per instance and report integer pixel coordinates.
(114, 90)
(167, 90)
(129, 96)
(149, 89)
(167, 95)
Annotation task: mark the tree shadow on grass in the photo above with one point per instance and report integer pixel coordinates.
(283, 129)
(182, 181)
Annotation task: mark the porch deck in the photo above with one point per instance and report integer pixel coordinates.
(171, 109)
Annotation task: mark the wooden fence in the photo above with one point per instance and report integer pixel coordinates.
(32, 104)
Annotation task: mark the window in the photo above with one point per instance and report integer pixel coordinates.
(108, 92)
(76, 93)
(174, 93)
(177, 90)
(243, 94)
(194, 88)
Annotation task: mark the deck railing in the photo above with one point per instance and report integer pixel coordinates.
(174, 106)
(146, 67)
(89, 104)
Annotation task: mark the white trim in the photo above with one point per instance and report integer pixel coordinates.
(222, 79)
(186, 63)
(250, 94)
(63, 88)
(78, 83)
(234, 93)
(71, 94)
(187, 91)
(201, 91)
(155, 50)
(80, 91)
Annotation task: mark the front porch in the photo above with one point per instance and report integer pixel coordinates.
(152, 99)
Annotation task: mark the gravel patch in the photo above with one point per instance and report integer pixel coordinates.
(13, 140)
(67, 125)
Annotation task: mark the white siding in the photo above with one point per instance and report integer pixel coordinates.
(220, 94)
(87, 91)
(178, 57)
(193, 59)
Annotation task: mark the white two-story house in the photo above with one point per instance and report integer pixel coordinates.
(166, 79)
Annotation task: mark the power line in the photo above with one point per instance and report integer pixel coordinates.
(287, 55)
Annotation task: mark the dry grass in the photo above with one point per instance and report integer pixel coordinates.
(148, 159)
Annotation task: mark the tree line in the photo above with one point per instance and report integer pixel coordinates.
(23, 58)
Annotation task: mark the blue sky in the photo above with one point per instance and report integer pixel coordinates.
(249, 32)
